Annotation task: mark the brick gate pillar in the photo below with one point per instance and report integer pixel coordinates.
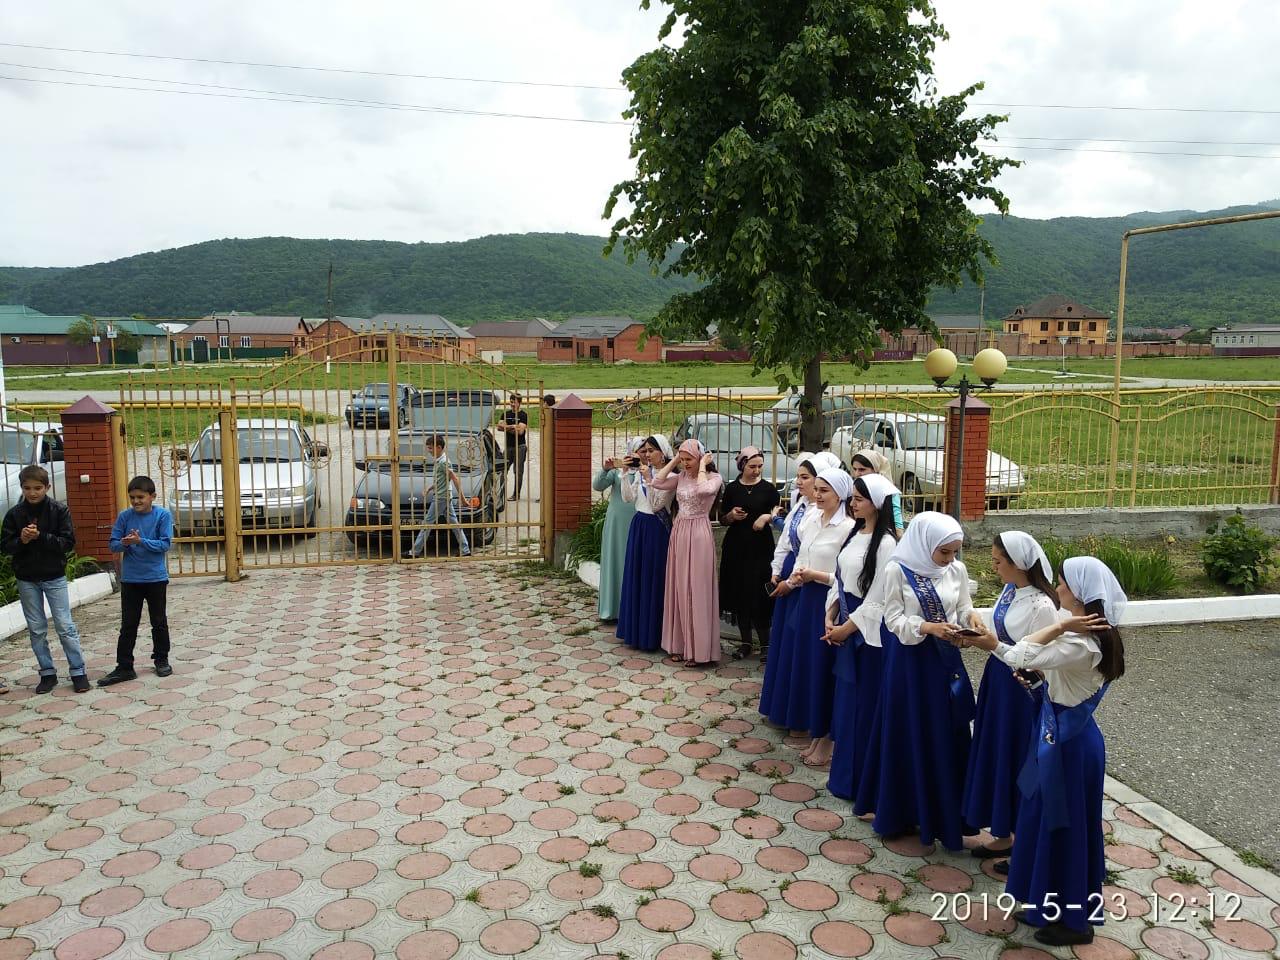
(571, 471)
(973, 485)
(92, 485)
(1275, 461)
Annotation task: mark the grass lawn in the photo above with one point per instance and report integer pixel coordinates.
(1177, 368)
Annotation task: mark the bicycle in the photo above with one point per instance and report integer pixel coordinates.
(619, 408)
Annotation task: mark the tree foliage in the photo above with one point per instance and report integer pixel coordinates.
(801, 153)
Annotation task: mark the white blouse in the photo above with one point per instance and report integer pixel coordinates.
(783, 546)
(850, 562)
(1069, 665)
(902, 613)
(1030, 611)
(634, 490)
(820, 541)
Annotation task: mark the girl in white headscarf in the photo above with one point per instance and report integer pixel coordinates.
(1058, 864)
(913, 775)
(1007, 708)
(798, 680)
(644, 571)
(870, 461)
(616, 474)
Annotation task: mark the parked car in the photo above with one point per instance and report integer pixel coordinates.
(838, 410)
(373, 404)
(463, 418)
(25, 444)
(914, 444)
(276, 472)
(724, 435)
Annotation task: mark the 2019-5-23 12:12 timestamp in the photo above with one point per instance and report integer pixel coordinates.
(1174, 908)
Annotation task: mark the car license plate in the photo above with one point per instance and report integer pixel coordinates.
(246, 513)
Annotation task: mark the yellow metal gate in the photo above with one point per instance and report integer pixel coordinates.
(329, 457)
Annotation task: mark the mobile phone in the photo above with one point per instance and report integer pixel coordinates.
(770, 589)
(968, 632)
(1032, 677)
(632, 461)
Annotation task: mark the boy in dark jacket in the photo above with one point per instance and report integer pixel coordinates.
(38, 534)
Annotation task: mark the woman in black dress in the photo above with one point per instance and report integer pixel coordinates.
(746, 509)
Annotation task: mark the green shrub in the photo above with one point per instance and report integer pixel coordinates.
(1142, 571)
(586, 540)
(1240, 556)
(76, 567)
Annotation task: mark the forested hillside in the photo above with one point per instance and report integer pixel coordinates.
(1200, 277)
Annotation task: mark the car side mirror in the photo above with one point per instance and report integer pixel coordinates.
(55, 456)
(181, 454)
(319, 450)
(361, 465)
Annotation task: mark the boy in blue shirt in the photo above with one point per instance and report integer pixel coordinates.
(143, 534)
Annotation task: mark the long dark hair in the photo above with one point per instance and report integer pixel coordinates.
(884, 527)
(1111, 666)
(1035, 576)
(653, 442)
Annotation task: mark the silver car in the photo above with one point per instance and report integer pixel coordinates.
(276, 473)
(724, 435)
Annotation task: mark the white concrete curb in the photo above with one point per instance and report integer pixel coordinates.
(82, 590)
(1149, 613)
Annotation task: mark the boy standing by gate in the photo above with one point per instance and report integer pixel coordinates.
(442, 509)
(143, 534)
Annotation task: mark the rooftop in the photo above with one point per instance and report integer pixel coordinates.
(36, 324)
(242, 323)
(593, 327)
(418, 322)
(534, 327)
(1058, 307)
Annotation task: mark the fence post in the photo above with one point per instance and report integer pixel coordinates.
(977, 434)
(1275, 461)
(547, 474)
(230, 457)
(571, 480)
(90, 479)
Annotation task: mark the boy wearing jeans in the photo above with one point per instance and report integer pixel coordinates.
(143, 534)
(38, 534)
(441, 499)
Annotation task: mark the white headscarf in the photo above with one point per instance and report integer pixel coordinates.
(926, 533)
(879, 487)
(634, 444)
(664, 445)
(796, 496)
(1090, 579)
(1026, 552)
(842, 484)
(826, 460)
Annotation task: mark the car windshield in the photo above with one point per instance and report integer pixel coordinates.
(731, 437)
(790, 402)
(921, 434)
(255, 445)
(460, 410)
(16, 446)
(380, 390)
(465, 453)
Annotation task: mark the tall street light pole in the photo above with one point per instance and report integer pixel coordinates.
(988, 366)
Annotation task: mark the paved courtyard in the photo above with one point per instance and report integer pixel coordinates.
(423, 763)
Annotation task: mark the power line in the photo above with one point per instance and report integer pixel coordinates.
(1079, 106)
(1150, 153)
(1216, 143)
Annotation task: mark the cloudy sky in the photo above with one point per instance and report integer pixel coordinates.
(92, 173)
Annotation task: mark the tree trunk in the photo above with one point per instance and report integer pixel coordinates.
(811, 407)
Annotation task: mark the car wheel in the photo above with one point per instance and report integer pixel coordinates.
(912, 494)
(402, 417)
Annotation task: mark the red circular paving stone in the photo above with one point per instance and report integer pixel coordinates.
(351, 841)
(915, 929)
(272, 883)
(27, 910)
(45, 788)
(909, 847)
(508, 937)
(357, 783)
(758, 827)
(494, 857)
(345, 914)
(52, 872)
(1232, 884)
(1133, 904)
(228, 796)
(695, 834)
(427, 945)
(782, 859)
(871, 886)
(619, 811)
(541, 791)
(416, 834)
(1178, 849)
(841, 938)
(647, 876)
(736, 797)
(684, 951)
(502, 894)
(1102, 948)
(428, 904)
(989, 920)
(604, 785)
(74, 838)
(130, 864)
(810, 895)
(665, 916)
(583, 926)
(1191, 893)
(563, 850)
(571, 885)
(846, 852)
(647, 756)
(940, 877)
(535, 766)
(732, 905)
(218, 824)
(715, 867)
(660, 779)
(423, 866)
(821, 821)
(146, 831)
(1244, 934)
(477, 772)
(278, 849)
(23, 815)
(488, 825)
(750, 744)
(793, 792)
(16, 948)
(554, 819)
(91, 809)
(264, 924)
(286, 818)
(90, 944)
(353, 811)
(1174, 944)
(177, 935)
(344, 950)
(193, 893)
(1127, 855)
(349, 874)
(677, 805)
(483, 797)
(765, 946)
(206, 857)
(592, 761)
(631, 842)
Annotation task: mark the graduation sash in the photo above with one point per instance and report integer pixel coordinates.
(846, 667)
(793, 530)
(934, 611)
(1042, 770)
(1000, 611)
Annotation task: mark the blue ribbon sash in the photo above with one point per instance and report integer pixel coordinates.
(1000, 611)
(1043, 770)
(934, 610)
(793, 531)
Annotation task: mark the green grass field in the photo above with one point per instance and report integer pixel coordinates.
(1178, 368)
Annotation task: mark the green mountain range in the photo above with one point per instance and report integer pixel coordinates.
(1200, 277)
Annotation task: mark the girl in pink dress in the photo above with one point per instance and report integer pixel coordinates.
(691, 627)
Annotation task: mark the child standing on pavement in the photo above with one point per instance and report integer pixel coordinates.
(442, 509)
(38, 534)
(143, 534)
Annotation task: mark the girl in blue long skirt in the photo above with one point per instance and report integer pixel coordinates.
(1007, 708)
(644, 574)
(858, 645)
(1058, 864)
(913, 776)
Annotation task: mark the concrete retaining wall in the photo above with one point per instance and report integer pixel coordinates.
(1128, 523)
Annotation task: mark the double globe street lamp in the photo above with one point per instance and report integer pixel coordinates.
(988, 366)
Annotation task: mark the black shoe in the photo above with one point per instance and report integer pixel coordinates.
(983, 852)
(743, 651)
(46, 684)
(117, 676)
(1001, 867)
(80, 684)
(1060, 935)
(163, 669)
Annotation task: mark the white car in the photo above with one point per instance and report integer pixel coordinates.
(24, 444)
(914, 444)
(277, 478)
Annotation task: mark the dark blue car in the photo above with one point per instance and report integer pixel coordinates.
(372, 406)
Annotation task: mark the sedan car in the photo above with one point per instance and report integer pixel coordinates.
(277, 478)
(724, 435)
(373, 405)
(914, 444)
(838, 410)
(462, 418)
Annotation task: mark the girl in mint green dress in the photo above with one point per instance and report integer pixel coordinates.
(617, 523)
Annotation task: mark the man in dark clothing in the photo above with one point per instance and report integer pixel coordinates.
(515, 424)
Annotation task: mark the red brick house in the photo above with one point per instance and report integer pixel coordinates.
(606, 339)
(511, 336)
(232, 335)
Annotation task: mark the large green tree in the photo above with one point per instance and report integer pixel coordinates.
(820, 185)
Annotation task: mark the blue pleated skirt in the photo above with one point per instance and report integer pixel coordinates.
(644, 579)
(854, 712)
(1007, 717)
(1069, 863)
(913, 775)
(799, 684)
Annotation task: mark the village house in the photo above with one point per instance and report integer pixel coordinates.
(606, 339)
(1246, 340)
(232, 336)
(356, 340)
(512, 336)
(1057, 316)
(34, 338)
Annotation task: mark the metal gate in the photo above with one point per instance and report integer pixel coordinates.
(329, 458)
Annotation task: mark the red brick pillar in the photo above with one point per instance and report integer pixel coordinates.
(86, 434)
(973, 485)
(1275, 461)
(571, 471)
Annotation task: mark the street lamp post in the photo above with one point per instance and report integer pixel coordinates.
(989, 366)
(1063, 342)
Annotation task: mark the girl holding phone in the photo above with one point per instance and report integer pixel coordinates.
(616, 473)
(644, 571)
(746, 509)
